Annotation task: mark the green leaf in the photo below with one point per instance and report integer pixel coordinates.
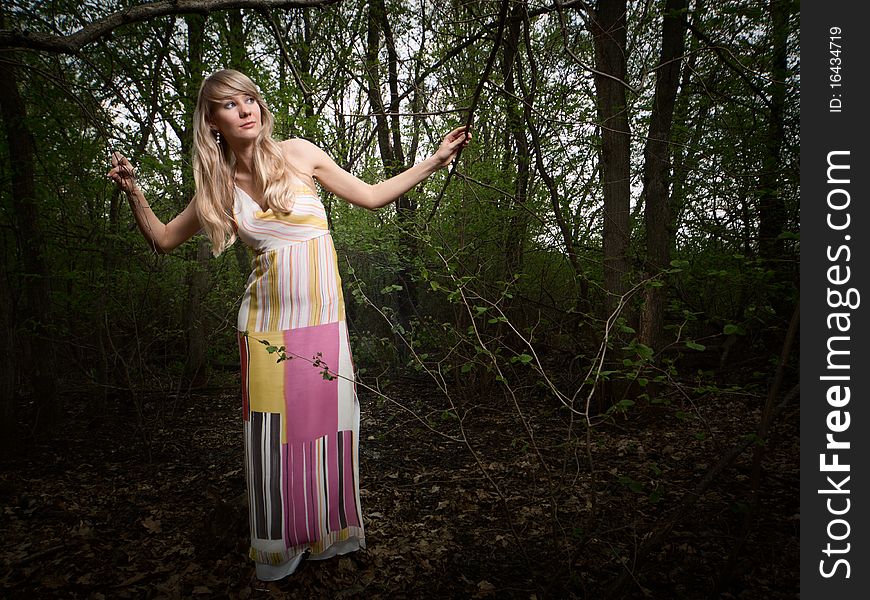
(695, 346)
(730, 328)
(624, 404)
(466, 367)
(524, 358)
(643, 351)
(448, 414)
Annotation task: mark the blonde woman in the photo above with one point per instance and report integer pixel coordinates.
(301, 415)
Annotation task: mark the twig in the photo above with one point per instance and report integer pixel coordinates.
(502, 18)
(41, 554)
(371, 389)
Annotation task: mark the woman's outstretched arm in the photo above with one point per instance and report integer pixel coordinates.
(163, 238)
(356, 191)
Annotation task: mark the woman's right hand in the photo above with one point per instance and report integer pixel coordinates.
(122, 173)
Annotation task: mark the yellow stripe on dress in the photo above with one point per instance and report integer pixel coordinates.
(274, 295)
(314, 291)
(292, 219)
(253, 304)
(336, 278)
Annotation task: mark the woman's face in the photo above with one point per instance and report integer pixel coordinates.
(237, 117)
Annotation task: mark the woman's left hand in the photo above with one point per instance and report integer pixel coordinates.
(450, 146)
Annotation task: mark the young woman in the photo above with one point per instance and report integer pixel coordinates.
(301, 415)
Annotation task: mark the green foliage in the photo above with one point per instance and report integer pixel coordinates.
(494, 297)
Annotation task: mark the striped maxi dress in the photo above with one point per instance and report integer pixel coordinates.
(301, 416)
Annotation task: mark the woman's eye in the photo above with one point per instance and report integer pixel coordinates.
(229, 104)
(249, 100)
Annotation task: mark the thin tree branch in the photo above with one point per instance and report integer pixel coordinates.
(285, 53)
(72, 43)
(738, 68)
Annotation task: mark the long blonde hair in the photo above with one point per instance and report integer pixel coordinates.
(214, 163)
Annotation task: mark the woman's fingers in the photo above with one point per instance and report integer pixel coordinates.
(117, 159)
(458, 135)
(121, 172)
(459, 132)
(452, 143)
(120, 166)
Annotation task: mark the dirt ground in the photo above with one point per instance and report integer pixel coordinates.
(87, 514)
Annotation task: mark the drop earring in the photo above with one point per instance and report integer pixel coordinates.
(217, 135)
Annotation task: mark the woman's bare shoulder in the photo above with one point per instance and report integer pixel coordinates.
(301, 153)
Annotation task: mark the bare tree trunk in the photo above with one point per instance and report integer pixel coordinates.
(771, 208)
(657, 166)
(608, 27)
(389, 137)
(565, 229)
(198, 270)
(771, 204)
(515, 232)
(35, 346)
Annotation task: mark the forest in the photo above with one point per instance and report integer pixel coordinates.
(576, 349)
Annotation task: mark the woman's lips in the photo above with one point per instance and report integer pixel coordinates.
(248, 125)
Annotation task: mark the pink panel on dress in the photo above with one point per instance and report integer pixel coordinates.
(311, 400)
(300, 496)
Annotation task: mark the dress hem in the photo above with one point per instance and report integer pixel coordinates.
(276, 558)
(268, 571)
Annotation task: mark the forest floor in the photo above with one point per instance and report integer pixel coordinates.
(87, 513)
